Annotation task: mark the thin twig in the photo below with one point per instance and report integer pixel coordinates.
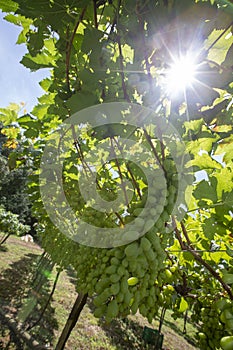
(142, 30)
(121, 59)
(130, 172)
(186, 247)
(95, 14)
(120, 173)
(69, 46)
(153, 149)
(185, 234)
(86, 166)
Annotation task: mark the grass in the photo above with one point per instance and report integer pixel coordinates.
(18, 265)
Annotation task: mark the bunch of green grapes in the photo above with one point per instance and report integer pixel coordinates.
(122, 279)
(128, 277)
(211, 327)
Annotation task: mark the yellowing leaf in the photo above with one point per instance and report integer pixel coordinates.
(10, 144)
(204, 161)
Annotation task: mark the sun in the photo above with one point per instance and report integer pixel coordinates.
(180, 75)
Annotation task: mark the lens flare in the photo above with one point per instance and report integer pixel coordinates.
(180, 75)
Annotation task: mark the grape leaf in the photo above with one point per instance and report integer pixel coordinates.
(205, 190)
(8, 6)
(204, 161)
(219, 51)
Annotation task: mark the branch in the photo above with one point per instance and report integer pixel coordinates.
(130, 172)
(187, 247)
(69, 46)
(186, 234)
(141, 26)
(126, 96)
(212, 271)
(86, 165)
(95, 14)
(153, 148)
(120, 173)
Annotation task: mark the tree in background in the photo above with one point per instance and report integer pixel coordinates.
(13, 180)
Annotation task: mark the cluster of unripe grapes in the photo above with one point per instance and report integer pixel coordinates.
(216, 322)
(123, 279)
(128, 277)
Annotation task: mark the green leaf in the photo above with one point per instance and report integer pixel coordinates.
(205, 190)
(183, 305)
(77, 42)
(208, 228)
(228, 198)
(204, 161)
(225, 181)
(193, 125)
(31, 133)
(201, 144)
(45, 84)
(12, 160)
(217, 256)
(8, 5)
(230, 251)
(81, 100)
(226, 147)
(42, 60)
(219, 51)
(227, 278)
(92, 39)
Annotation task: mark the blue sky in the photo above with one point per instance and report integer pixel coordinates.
(17, 83)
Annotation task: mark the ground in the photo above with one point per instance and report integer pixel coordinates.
(24, 292)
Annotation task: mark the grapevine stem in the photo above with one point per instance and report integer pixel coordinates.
(162, 146)
(130, 172)
(153, 148)
(69, 46)
(120, 173)
(186, 234)
(95, 14)
(126, 96)
(72, 320)
(79, 150)
(85, 165)
(187, 247)
(141, 25)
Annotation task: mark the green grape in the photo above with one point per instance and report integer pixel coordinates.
(112, 309)
(212, 328)
(145, 244)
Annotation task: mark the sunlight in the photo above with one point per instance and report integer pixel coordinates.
(180, 75)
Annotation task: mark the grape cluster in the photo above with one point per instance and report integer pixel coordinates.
(128, 277)
(123, 279)
(212, 329)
